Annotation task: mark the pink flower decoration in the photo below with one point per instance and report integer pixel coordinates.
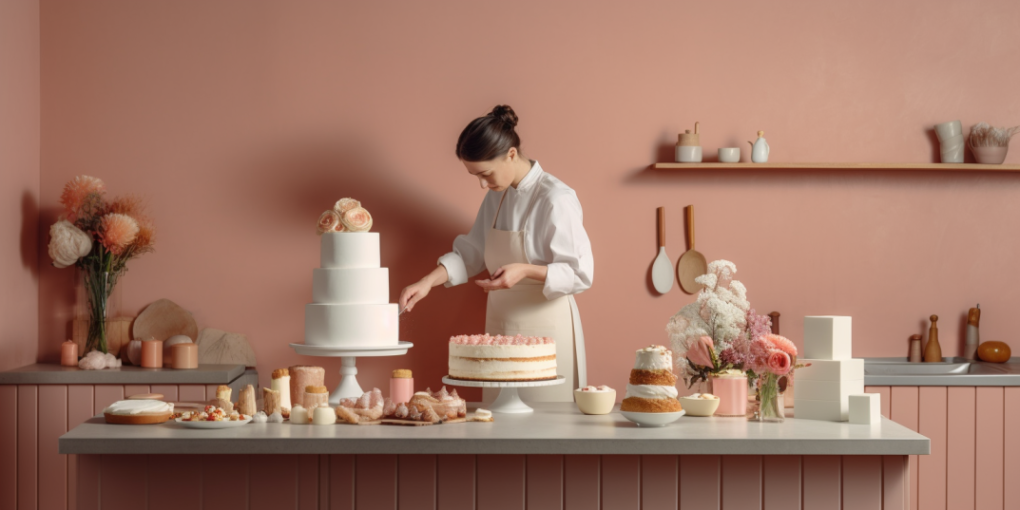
(329, 221)
(118, 231)
(345, 204)
(76, 193)
(700, 352)
(357, 220)
(782, 343)
(779, 362)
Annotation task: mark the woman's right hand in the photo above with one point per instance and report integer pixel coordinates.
(414, 293)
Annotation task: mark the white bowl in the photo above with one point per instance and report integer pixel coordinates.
(699, 406)
(652, 419)
(595, 402)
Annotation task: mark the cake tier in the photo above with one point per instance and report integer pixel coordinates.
(359, 286)
(655, 357)
(503, 362)
(650, 405)
(347, 250)
(351, 325)
(655, 377)
(651, 391)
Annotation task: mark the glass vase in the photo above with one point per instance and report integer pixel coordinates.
(98, 286)
(770, 402)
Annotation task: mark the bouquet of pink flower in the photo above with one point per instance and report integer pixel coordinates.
(99, 236)
(347, 215)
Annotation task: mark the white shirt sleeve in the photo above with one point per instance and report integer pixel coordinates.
(562, 244)
(468, 256)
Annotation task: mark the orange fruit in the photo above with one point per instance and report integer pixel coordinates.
(994, 352)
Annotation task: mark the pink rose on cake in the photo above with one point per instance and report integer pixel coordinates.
(357, 220)
(329, 221)
(345, 204)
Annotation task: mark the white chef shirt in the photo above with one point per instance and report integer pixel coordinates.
(555, 234)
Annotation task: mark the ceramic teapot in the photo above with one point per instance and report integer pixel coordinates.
(759, 149)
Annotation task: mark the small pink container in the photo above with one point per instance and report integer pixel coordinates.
(184, 356)
(401, 389)
(152, 354)
(732, 393)
(69, 354)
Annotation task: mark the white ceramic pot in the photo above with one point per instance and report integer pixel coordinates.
(688, 154)
(729, 155)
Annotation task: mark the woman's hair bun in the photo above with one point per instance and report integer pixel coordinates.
(505, 114)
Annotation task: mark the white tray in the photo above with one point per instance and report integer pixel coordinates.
(354, 351)
(508, 400)
(226, 424)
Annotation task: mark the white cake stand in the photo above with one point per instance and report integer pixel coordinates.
(349, 387)
(508, 400)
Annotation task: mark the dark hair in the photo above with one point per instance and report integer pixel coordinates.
(490, 136)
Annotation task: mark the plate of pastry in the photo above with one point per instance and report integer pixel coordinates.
(212, 417)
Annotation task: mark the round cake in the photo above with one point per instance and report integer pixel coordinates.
(502, 358)
(652, 386)
(138, 412)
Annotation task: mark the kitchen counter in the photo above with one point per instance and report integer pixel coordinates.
(554, 428)
(951, 372)
(41, 373)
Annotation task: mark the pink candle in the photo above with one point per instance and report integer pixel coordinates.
(152, 354)
(69, 354)
(401, 386)
(184, 356)
(732, 393)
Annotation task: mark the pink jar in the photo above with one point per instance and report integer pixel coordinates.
(401, 386)
(152, 354)
(732, 393)
(69, 354)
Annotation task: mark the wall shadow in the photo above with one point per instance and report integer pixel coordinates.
(29, 237)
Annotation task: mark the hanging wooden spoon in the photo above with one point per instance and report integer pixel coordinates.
(692, 264)
(662, 268)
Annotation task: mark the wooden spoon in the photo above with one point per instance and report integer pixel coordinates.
(662, 268)
(691, 264)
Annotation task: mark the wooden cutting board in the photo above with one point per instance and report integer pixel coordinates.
(164, 319)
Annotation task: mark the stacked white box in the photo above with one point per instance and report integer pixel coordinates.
(866, 409)
(823, 389)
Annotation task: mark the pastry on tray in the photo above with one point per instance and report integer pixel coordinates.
(213, 413)
(652, 385)
(369, 406)
(138, 412)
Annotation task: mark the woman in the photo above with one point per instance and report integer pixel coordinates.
(529, 235)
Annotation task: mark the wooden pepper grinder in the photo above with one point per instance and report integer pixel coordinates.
(973, 335)
(933, 351)
(915, 349)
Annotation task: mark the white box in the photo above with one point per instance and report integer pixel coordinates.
(866, 408)
(827, 390)
(827, 337)
(830, 370)
(822, 410)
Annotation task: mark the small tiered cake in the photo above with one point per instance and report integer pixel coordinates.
(652, 386)
(502, 358)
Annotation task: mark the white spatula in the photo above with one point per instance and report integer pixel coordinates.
(662, 268)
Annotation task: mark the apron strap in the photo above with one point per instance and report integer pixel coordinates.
(500, 206)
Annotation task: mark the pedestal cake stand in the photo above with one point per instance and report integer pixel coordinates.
(508, 400)
(349, 387)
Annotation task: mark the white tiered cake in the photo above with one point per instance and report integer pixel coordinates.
(350, 294)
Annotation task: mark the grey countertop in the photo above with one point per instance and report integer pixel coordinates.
(553, 428)
(951, 372)
(41, 373)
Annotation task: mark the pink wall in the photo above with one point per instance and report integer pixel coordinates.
(241, 121)
(19, 182)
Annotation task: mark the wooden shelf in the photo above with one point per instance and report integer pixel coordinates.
(927, 167)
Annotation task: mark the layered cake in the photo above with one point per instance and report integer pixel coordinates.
(502, 358)
(350, 291)
(652, 386)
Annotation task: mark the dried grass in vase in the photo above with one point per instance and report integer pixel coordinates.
(983, 135)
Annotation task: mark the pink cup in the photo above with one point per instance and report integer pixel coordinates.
(732, 393)
(401, 389)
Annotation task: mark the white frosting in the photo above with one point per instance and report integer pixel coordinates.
(129, 407)
(259, 417)
(596, 389)
(282, 384)
(655, 357)
(323, 416)
(298, 415)
(344, 250)
(274, 418)
(483, 414)
(473, 369)
(351, 325)
(651, 391)
(502, 351)
(358, 286)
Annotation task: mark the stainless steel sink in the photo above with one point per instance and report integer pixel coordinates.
(950, 372)
(907, 368)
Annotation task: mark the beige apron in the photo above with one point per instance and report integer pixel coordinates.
(524, 309)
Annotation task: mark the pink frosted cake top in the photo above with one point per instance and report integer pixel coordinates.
(488, 339)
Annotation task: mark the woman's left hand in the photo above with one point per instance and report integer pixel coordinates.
(507, 276)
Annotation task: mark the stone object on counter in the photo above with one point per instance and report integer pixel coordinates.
(994, 352)
(96, 360)
(831, 370)
(933, 350)
(301, 377)
(866, 408)
(217, 347)
(163, 319)
(246, 401)
(827, 337)
(821, 410)
(271, 401)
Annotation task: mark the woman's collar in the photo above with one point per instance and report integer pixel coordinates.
(531, 178)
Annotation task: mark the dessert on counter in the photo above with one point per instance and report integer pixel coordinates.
(502, 358)
(316, 396)
(301, 377)
(138, 412)
(213, 413)
(367, 407)
(595, 399)
(652, 386)
(281, 384)
(483, 415)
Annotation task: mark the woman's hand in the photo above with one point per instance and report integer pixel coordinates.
(509, 275)
(417, 291)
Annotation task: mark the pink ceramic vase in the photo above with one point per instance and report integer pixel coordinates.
(989, 155)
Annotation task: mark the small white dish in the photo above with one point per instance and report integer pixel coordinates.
(595, 402)
(652, 419)
(226, 424)
(729, 154)
(699, 406)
